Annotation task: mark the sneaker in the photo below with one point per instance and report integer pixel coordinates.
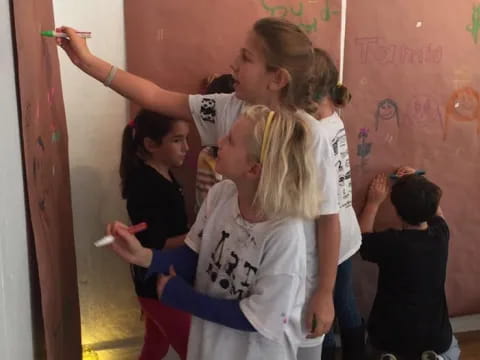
(388, 357)
(430, 355)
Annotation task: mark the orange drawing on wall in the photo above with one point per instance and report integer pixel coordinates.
(463, 106)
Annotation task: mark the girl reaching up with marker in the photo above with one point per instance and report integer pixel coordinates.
(274, 68)
(246, 250)
(152, 145)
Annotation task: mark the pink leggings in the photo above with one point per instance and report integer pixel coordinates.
(164, 326)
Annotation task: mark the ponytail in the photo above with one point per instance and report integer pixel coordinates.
(326, 80)
(340, 95)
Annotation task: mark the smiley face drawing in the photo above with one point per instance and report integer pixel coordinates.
(463, 106)
(387, 110)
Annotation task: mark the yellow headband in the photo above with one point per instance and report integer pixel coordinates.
(266, 136)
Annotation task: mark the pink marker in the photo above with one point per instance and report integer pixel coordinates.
(57, 34)
(107, 240)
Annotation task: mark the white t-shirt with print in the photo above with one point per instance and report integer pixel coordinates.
(260, 264)
(215, 114)
(351, 236)
(330, 133)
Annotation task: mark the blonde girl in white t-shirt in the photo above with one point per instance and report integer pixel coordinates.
(246, 251)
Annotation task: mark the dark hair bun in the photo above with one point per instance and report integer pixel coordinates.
(340, 95)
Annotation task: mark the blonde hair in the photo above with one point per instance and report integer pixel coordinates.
(287, 185)
(288, 47)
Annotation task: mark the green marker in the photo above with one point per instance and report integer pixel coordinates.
(56, 34)
(314, 323)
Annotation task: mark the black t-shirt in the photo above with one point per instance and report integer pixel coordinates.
(159, 202)
(410, 312)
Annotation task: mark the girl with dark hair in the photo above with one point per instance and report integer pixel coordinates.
(152, 145)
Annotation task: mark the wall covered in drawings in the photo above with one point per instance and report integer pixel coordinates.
(413, 71)
(410, 67)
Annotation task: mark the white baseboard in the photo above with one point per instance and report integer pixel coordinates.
(466, 323)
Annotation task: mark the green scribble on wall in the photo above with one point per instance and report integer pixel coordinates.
(327, 12)
(299, 12)
(474, 27)
(283, 11)
(309, 28)
(55, 137)
(273, 9)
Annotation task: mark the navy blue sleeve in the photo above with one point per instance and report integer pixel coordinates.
(183, 259)
(227, 312)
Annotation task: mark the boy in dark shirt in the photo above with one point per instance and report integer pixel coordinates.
(409, 317)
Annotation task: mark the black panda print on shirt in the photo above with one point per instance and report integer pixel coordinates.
(208, 110)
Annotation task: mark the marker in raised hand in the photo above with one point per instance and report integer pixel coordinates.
(417, 172)
(58, 34)
(107, 240)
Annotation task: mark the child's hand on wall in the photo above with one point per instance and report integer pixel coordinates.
(378, 190)
(405, 170)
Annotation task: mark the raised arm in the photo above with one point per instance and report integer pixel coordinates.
(141, 91)
(377, 193)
